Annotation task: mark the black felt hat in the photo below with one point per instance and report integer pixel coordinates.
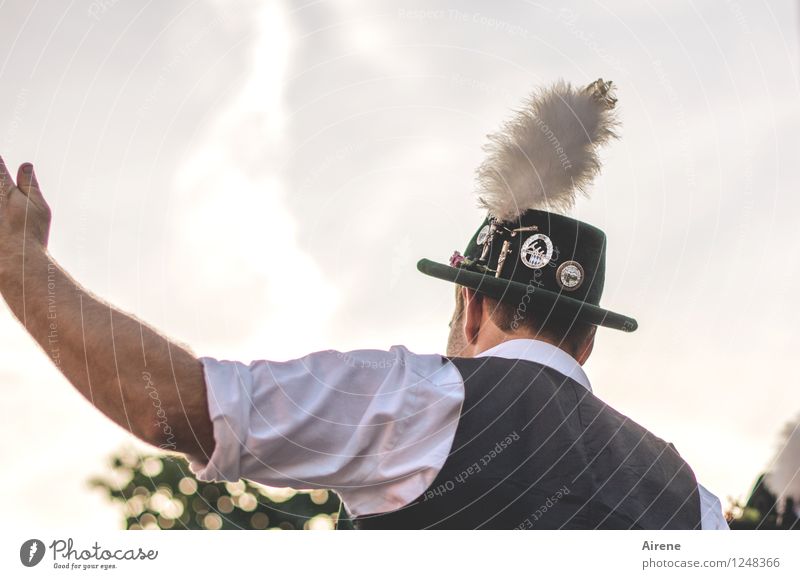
(545, 262)
(526, 252)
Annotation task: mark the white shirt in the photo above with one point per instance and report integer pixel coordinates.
(374, 426)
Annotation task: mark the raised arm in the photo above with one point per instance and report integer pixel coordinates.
(150, 386)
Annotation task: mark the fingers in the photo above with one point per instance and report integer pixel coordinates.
(26, 180)
(29, 185)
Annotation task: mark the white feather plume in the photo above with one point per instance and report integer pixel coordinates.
(547, 153)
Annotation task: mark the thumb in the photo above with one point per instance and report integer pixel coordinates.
(29, 185)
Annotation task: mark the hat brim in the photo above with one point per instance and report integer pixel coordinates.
(540, 299)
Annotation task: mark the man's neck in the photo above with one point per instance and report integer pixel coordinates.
(494, 337)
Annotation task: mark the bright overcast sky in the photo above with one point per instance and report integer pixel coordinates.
(259, 183)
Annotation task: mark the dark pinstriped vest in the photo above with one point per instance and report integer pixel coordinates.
(536, 450)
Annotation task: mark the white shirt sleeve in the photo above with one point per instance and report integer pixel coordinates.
(711, 517)
(375, 426)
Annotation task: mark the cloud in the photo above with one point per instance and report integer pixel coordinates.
(256, 290)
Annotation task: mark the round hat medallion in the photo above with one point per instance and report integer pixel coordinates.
(569, 275)
(537, 251)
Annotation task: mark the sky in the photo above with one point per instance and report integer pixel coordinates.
(258, 181)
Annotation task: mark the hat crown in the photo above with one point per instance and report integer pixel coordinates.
(543, 250)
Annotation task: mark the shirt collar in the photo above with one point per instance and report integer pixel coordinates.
(541, 353)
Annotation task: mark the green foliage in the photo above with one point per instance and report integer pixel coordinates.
(159, 492)
(763, 511)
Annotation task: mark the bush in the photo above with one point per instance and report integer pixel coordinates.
(159, 492)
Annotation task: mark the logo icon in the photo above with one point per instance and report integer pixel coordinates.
(569, 275)
(537, 251)
(31, 552)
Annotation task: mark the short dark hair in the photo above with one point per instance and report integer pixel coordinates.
(510, 318)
